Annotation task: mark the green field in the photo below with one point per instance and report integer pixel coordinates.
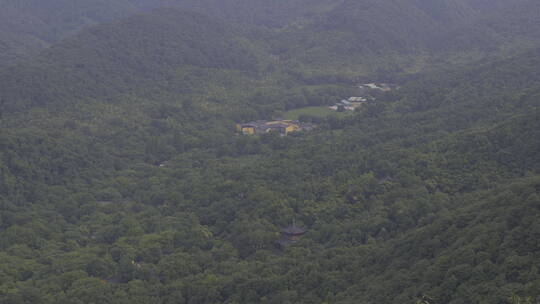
(320, 111)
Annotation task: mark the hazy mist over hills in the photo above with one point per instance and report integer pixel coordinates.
(341, 26)
(126, 55)
(301, 151)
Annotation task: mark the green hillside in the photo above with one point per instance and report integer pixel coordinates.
(130, 56)
(123, 180)
(321, 31)
(402, 200)
(379, 38)
(26, 27)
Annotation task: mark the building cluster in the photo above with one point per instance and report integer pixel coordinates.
(353, 103)
(282, 127)
(350, 104)
(385, 87)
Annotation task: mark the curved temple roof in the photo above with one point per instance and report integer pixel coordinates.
(294, 230)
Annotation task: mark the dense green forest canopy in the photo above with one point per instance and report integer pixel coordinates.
(320, 32)
(28, 26)
(134, 54)
(122, 179)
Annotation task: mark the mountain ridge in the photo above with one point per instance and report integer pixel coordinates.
(123, 178)
(134, 52)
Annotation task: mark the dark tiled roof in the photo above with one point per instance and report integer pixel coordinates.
(294, 230)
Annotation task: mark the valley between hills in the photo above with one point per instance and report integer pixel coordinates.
(270, 151)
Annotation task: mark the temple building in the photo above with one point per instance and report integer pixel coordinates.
(291, 235)
(282, 127)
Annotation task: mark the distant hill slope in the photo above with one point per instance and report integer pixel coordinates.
(274, 14)
(125, 56)
(28, 26)
(310, 31)
(501, 24)
(402, 34)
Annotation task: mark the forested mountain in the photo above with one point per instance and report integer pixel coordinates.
(321, 31)
(29, 26)
(406, 36)
(128, 56)
(26, 27)
(272, 14)
(122, 179)
(404, 199)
